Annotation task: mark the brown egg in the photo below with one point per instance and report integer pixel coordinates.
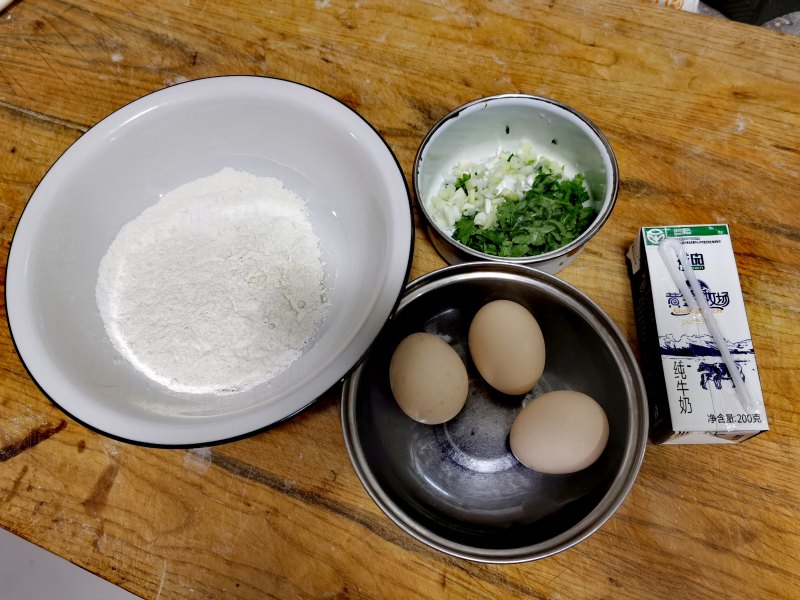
(559, 432)
(428, 379)
(507, 346)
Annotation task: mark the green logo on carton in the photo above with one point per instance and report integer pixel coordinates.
(655, 235)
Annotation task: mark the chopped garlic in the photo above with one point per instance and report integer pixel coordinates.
(506, 174)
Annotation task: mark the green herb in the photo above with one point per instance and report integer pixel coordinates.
(461, 182)
(548, 216)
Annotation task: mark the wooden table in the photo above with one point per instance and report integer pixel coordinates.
(704, 116)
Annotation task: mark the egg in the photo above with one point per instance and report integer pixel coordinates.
(507, 346)
(428, 378)
(559, 432)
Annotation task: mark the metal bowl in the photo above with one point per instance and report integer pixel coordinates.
(475, 130)
(456, 486)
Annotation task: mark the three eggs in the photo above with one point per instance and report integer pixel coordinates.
(556, 433)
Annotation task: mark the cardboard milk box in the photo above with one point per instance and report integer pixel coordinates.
(691, 389)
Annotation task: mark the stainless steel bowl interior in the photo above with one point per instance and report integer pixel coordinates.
(456, 486)
(475, 130)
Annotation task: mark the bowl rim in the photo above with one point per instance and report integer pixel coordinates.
(17, 254)
(567, 249)
(623, 480)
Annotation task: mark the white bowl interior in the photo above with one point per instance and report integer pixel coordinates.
(319, 148)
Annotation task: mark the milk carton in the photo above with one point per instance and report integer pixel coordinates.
(690, 389)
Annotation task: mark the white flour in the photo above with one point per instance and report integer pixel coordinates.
(217, 287)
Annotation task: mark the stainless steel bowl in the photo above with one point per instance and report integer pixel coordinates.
(475, 130)
(456, 486)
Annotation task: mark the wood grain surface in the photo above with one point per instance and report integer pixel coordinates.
(704, 116)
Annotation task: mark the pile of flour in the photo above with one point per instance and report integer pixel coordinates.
(217, 287)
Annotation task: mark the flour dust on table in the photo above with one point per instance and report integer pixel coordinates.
(216, 288)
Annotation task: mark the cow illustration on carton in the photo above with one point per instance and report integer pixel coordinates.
(716, 372)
